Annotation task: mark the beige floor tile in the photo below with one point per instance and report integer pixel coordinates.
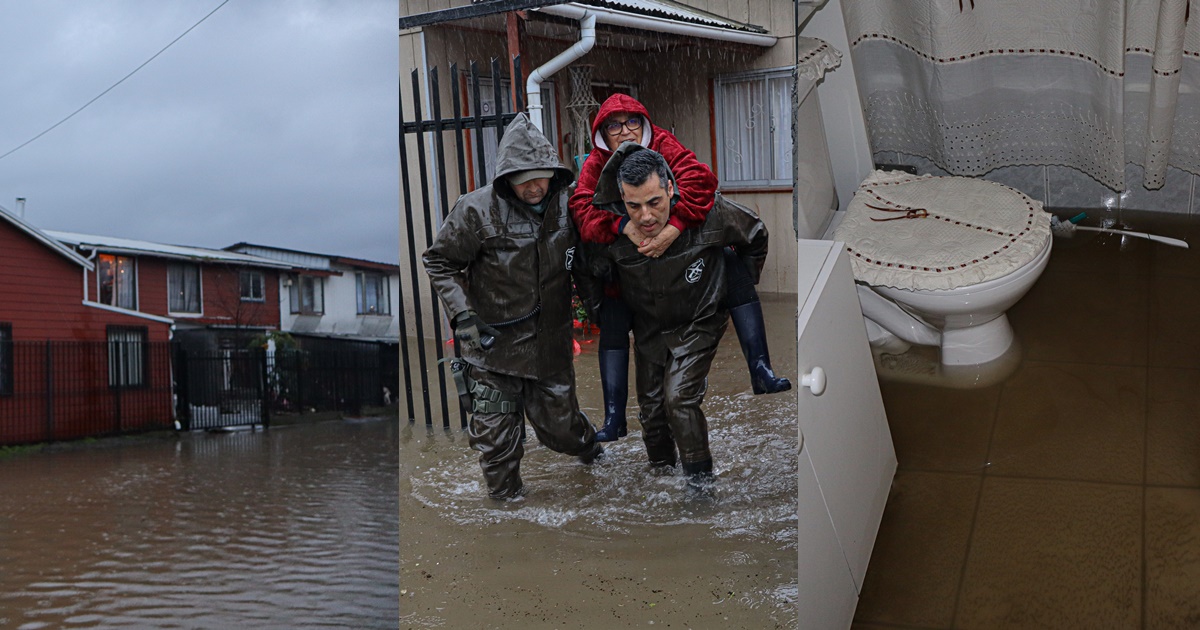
(936, 429)
(1174, 337)
(1084, 317)
(1072, 421)
(1172, 432)
(1172, 558)
(914, 572)
(1054, 555)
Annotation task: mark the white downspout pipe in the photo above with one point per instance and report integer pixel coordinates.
(533, 86)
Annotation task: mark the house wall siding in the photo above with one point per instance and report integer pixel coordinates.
(41, 295)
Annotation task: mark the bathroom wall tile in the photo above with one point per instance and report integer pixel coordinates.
(1071, 421)
(962, 420)
(1172, 432)
(1097, 317)
(1070, 188)
(919, 551)
(1174, 197)
(1174, 337)
(1054, 554)
(1030, 180)
(1172, 557)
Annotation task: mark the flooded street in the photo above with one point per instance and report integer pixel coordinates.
(612, 545)
(295, 527)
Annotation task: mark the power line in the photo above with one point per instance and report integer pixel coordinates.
(110, 88)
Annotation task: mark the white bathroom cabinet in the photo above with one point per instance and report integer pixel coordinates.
(847, 460)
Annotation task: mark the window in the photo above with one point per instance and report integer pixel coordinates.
(116, 278)
(307, 295)
(183, 288)
(488, 108)
(6, 360)
(754, 128)
(252, 286)
(127, 351)
(372, 290)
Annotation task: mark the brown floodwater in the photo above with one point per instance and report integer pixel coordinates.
(612, 545)
(295, 527)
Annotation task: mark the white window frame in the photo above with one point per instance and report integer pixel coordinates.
(173, 306)
(257, 281)
(120, 279)
(382, 293)
(753, 114)
(296, 294)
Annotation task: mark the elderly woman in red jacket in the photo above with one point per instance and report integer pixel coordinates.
(622, 118)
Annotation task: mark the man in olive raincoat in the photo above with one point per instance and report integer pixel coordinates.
(502, 264)
(676, 299)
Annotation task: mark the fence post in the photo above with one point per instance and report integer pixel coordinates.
(49, 391)
(182, 389)
(264, 388)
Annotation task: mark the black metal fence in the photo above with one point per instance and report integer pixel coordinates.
(60, 390)
(245, 387)
(451, 137)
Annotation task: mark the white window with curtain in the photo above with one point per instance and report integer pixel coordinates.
(127, 348)
(373, 297)
(754, 128)
(306, 295)
(183, 288)
(116, 281)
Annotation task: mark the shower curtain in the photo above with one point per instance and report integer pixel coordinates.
(974, 85)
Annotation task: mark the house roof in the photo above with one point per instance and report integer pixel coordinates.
(665, 9)
(115, 245)
(45, 239)
(343, 260)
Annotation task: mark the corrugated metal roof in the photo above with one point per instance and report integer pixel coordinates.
(672, 11)
(126, 245)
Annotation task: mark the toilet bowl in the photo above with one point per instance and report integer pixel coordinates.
(939, 260)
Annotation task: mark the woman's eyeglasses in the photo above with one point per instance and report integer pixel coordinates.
(614, 128)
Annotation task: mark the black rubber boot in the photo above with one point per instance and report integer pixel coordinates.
(592, 455)
(699, 476)
(752, 333)
(614, 382)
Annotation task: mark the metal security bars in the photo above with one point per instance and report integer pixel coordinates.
(450, 136)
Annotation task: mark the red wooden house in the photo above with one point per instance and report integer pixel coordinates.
(71, 366)
(216, 298)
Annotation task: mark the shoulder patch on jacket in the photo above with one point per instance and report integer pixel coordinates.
(694, 271)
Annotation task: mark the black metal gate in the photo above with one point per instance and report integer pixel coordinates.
(225, 388)
(447, 130)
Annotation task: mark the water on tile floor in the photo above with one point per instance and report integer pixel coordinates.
(1062, 490)
(612, 545)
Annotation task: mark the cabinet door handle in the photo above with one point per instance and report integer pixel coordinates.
(814, 381)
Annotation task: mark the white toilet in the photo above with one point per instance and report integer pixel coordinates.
(938, 261)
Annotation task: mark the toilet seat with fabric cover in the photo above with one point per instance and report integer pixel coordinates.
(939, 233)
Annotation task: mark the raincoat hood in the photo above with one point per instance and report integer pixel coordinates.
(524, 148)
(615, 104)
(608, 190)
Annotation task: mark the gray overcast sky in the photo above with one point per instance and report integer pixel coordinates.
(272, 122)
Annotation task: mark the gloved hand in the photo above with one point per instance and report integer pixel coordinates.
(473, 333)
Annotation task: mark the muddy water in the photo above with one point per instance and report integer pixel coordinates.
(292, 528)
(612, 545)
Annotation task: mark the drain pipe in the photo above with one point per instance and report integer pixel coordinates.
(533, 87)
